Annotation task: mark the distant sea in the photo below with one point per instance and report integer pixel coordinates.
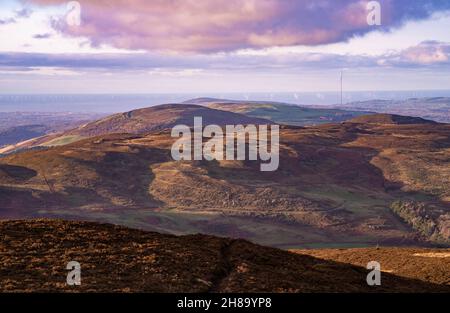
(111, 103)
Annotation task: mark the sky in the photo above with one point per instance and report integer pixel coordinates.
(208, 46)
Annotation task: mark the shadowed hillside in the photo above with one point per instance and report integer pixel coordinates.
(34, 255)
(390, 119)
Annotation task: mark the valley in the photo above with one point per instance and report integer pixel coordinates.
(336, 184)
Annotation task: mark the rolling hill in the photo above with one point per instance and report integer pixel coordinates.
(159, 118)
(16, 127)
(431, 108)
(142, 121)
(34, 255)
(13, 135)
(389, 119)
(213, 111)
(281, 113)
(375, 179)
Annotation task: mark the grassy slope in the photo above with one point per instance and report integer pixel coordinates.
(424, 264)
(286, 113)
(335, 185)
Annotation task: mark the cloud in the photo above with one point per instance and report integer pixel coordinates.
(427, 53)
(7, 21)
(188, 72)
(43, 71)
(211, 26)
(18, 14)
(430, 52)
(176, 65)
(42, 36)
(24, 13)
(108, 61)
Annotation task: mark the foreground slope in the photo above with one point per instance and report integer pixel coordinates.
(354, 183)
(34, 255)
(432, 265)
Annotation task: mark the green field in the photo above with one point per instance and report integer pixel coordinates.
(60, 141)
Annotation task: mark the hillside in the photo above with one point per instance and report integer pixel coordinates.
(434, 108)
(387, 119)
(17, 134)
(142, 121)
(18, 127)
(338, 184)
(159, 118)
(432, 265)
(282, 113)
(213, 111)
(34, 255)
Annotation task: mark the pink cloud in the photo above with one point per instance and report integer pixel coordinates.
(211, 26)
(428, 53)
